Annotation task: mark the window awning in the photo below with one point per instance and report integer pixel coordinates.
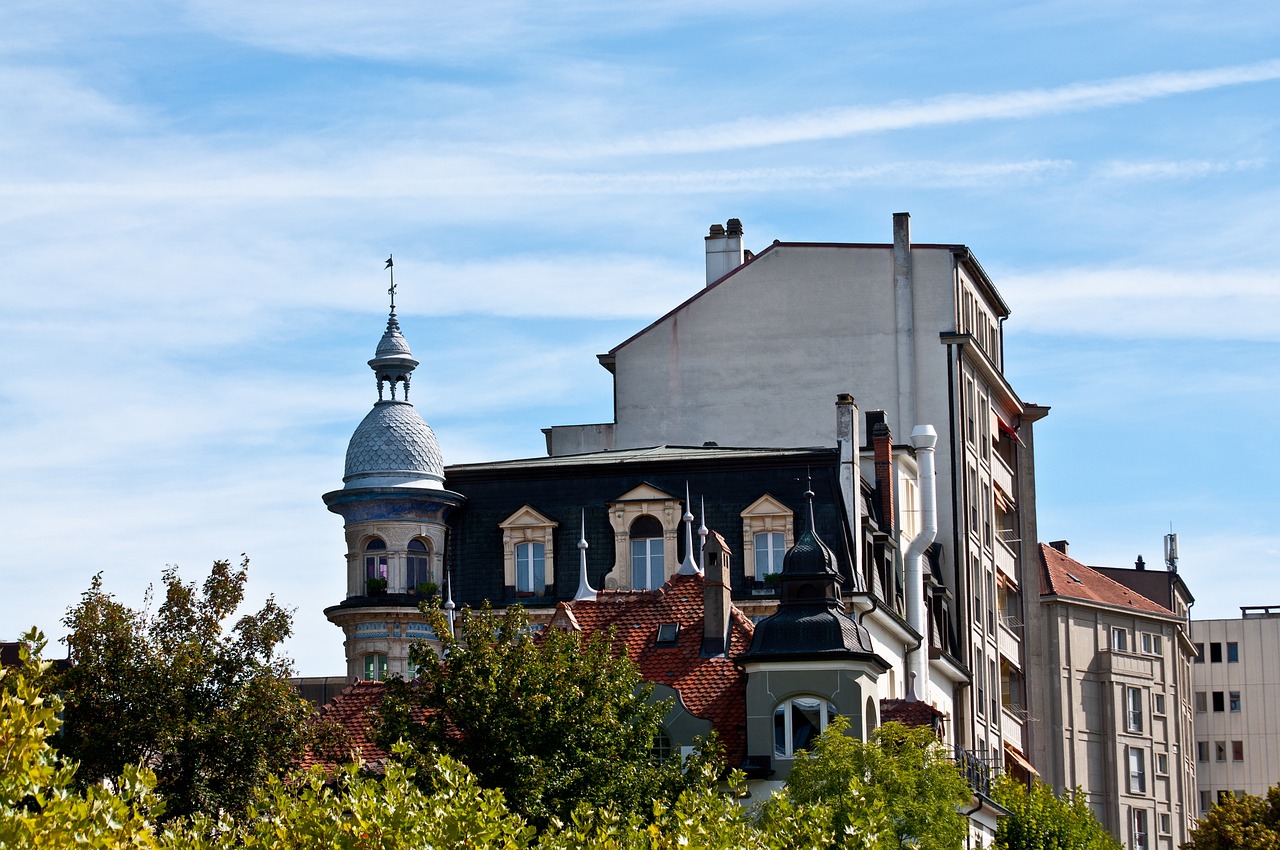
(1019, 759)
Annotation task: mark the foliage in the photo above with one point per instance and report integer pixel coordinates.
(552, 721)
(39, 804)
(898, 789)
(1040, 820)
(1247, 823)
(211, 712)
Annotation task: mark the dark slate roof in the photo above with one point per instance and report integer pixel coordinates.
(712, 688)
(729, 480)
(796, 632)
(1065, 576)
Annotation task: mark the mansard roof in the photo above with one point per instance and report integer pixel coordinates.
(1063, 575)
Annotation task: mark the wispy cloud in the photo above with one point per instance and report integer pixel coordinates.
(1174, 169)
(934, 112)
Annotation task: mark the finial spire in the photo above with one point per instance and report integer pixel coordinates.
(586, 593)
(703, 531)
(688, 566)
(392, 291)
(449, 607)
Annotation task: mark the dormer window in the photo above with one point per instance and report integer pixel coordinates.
(647, 572)
(531, 567)
(766, 536)
(528, 552)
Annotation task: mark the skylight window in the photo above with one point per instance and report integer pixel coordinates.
(1074, 578)
(667, 633)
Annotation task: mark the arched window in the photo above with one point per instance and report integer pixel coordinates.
(798, 721)
(417, 564)
(872, 716)
(662, 747)
(770, 547)
(375, 667)
(375, 561)
(531, 568)
(647, 571)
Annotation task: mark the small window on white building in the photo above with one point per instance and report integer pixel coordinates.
(1162, 764)
(1137, 770)
(1202, 751)
(1166, 823)
(1119, 639)
(1202, 702)
(798, 721)
(1152, 644)
(1233, 701)
(1139, 830)
(1157, 705)
(1133, 709)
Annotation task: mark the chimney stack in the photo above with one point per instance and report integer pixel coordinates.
(724, 250)
(1060, 545)
(715, 596)
(881, 439)
(848, 440)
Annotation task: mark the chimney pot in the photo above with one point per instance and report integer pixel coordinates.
(1060, 545)
(717, 230)
(724, 250)
(733, 227)
(1139, 564)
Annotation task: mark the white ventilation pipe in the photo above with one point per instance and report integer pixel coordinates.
(924, 439)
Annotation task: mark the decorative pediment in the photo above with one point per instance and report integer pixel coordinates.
(766, 505)
(527, 517)
(644, 493)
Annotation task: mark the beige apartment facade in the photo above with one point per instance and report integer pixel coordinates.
(1236, 681)
(1113, 710)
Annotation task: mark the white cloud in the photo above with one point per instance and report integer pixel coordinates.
(1174, 169)
(1239, 303)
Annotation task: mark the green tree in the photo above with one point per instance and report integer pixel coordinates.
(897, 790)
(1040, 820)
(552, 720)
(39, 803)
(209, 709)
(1247, 823)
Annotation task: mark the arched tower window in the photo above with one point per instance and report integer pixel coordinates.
(417, 564)
(375, 563)
(531, 568)
(798, 721)
(647, 571)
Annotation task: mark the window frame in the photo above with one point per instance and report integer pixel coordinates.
(1119, 639)
(766, 515)
(374, 662)
(650, 559)
(529, 568)
(774, 551)
(1233, 652)
(1233, 702)
(1136, 758)
(827, 712)
(528, 525)
(1133, 714)
(1215, 652)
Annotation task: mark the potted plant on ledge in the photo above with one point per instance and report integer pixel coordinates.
(375, 586)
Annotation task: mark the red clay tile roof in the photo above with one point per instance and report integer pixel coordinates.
(913, 713)
(1065, 576)
(713, 689)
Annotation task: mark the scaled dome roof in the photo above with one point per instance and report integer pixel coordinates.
(393, 446)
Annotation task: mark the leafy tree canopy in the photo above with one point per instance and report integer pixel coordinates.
(551, 720)
(899, 789)
(1247, 823)
(1040, 820)
(209, 709)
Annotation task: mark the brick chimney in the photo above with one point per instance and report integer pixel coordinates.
(881, 440)
(724, 250)
(1060, 545)
(715, 596)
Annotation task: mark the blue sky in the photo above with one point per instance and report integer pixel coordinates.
(196, 198)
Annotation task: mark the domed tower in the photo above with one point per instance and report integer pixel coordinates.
(808, 662)
(395, 506)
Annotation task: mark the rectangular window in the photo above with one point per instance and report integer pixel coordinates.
(1138, 770)
(991, 602)
(1139, 829)
(646, 563)
(1157, 705)
(531, 568)
(770, 546)
(1133, 709)
(1206, 800)
(1152, 644)
(1233, 652)
(1219, 750)
(1224, 796)
(1199, 653)
(1166, 823)
(986, 513)
(981, 670)
(1237, 750)
(1233, 701)
(1219, 701)
(1202, 702)
(1162, 764)
(1215, 652)
(1119, 640)
(1202, 751)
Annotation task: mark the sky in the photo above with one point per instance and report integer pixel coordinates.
(197, 197)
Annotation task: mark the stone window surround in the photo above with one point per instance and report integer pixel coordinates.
(397, 536)
(765, 514)
(624, 511)
(528, 525)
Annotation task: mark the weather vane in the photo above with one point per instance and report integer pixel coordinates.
(392, 291)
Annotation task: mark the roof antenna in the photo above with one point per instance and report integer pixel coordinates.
(585, 592)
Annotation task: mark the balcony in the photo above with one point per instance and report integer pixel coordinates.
(979, 770)
(1006, 560)
(1002, 476)
(1113, 662)
(1013, 720)
(1009, 639)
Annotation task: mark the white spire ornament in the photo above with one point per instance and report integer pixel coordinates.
(585, 592)
(702, 533)
(688, 566)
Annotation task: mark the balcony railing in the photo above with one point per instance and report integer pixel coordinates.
(1006, 560)
(1002, 475)
(1010, 641)
(979, 770)
(1012, 725)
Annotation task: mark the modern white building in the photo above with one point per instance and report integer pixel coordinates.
(1236, 679)
(914, 330)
